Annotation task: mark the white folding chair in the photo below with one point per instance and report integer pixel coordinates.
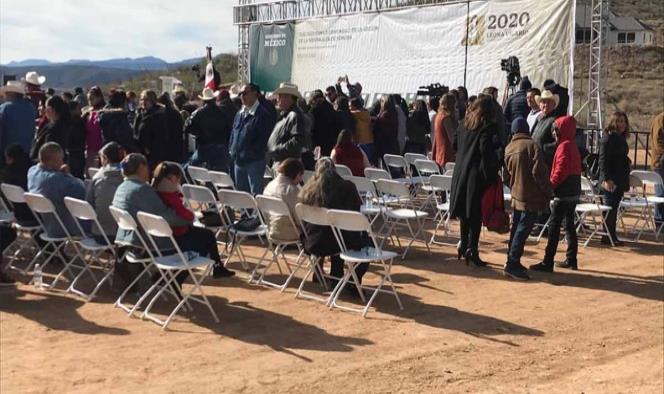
(651, 179)
(92, 171)
(398, 162)
(426, 168)
(314, 216)
(245, 203)
(25, 243)
(40, 207)
(199, 175)
(375, 174)
(172, 265)
(221, 180)
(272, 206)
(201, 200)
(449, 172)
(6, 214)
(402, 213)
(343, 170)
(91, 250)
(450, 166)
(593, 209)
(268, 174)
(186, 178)
(355, 221)
(370, 205)
(443, 185)
(412, 157)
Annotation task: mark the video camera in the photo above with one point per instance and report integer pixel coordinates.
(511, 67)
(433, 90)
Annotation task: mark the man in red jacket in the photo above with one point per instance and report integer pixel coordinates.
(566, 182)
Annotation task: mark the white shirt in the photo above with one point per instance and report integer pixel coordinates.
(250, 110)
(532, 118)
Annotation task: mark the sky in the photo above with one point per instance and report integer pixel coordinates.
(59, 30)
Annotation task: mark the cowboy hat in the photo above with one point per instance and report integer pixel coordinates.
(179, 89)
(222, 94)
(286, 88)
(13, 87)
(547, 95)
(33, 78)
(207, 95)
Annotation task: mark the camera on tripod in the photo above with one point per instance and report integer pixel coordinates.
(433, 90)
(511, 67)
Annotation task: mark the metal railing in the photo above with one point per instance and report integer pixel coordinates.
(638, 140)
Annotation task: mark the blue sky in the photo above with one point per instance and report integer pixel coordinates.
(59, 30)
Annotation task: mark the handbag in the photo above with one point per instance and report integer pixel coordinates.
(246, 224)
(494, 216)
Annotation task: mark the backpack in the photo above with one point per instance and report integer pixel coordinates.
(494, 216)
(246, 224)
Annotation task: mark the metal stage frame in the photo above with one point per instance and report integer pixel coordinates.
(249, 12)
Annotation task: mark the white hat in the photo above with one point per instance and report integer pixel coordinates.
(13, 87)
(32, 77)
(179, 89)
(547, 95)
(287, 88)
(208, 94)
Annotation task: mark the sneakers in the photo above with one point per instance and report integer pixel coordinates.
(568, 264)
(541, 267)
(220, 271)
(517, 272)
(5, 280)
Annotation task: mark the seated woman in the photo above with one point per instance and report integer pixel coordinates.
(102, 188)
(166, 182)
(347, 153)
(328, 190)
(285, 187)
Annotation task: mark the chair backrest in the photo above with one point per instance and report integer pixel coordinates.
(650, 178)
(412, 157)
(426, 167)
(308, 174)
(39, 203)
(312, 215)
(343, 170)
(237, 199)
(449, 172)
(348, 221)
(82, 211)
(363, 185)
(441, 182)
(124, 220)
(199, 174)
(395, 161)
(155, 226)
(187, 178)
(376, 173)
(221, 179)
(198, 194)
(15, 194)
(268, 173)
(635, 181)
(450, 166)
(92, 171)
(587, 189)
(268, 205)
(392, 188)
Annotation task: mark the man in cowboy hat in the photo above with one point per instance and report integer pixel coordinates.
(212, 129)
(17, 118)
(548, 102)
(33, 82)
(288, 138)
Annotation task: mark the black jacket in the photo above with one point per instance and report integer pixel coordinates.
(476, 168)
(517, 105)
(543, 136)
(614, 163)
(174, 136)
(288, 137)
(346, 121)
(150, 128)
(326, 127)
(115, 127)
(50, 132)
(563, 94)
(17, 174)
(210, 124)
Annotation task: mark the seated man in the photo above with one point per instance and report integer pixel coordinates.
(51, 179)
(102, 189)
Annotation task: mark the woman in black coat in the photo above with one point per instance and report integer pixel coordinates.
(150, 128)
(56, 129)
(114, 122)
(614, 167)
(476, 168)
(328, 190)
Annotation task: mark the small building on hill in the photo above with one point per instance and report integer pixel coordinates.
(621, 30)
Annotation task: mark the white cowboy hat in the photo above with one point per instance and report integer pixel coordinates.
(286, 88)
(547, 95)
(179, 89)
(208, 94)
(33, 78)
(13, 87)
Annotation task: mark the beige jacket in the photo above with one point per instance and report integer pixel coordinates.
(281, 228)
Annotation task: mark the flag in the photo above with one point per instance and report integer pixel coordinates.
(212, 78)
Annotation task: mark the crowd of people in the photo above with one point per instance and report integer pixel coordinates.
(49, 141)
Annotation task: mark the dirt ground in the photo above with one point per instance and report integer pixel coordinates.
(463, 329)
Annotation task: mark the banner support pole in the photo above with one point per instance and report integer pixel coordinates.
(465, 60)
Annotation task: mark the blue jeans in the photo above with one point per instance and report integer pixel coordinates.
(249, 177)
(562, 211)
(522, 224)
(213, 156)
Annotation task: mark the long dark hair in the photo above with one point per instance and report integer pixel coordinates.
(60, 107)
(96, 91)
(480, 113)
(163, 171)
(420, 113)
(613, 123)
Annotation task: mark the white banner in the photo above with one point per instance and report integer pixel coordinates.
(398, 51)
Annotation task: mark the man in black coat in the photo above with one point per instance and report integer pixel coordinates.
(517, 104)
(562, 93)
(326, 124)
(288, 135)
(212, 129)
(149, 128)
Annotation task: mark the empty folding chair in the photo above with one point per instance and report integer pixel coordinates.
(199, 175)
(173, 265)
(426, 168)
(314, 216)
(594, 210)
(272, 206)
(221, 180)
(55, 246)
(449, 166)
(375, 174)
(370, 205)
(245, 203)
(397, 162)
(449, 172)
(343, 170)
(400, 212)
(355, 221)
(651, 179)
(412, 157)
(441, 184)
(201, 199)
(91, 249)
(25, 243)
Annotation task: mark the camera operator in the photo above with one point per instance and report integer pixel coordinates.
(517, 104)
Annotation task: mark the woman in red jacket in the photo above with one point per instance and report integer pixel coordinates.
(166, 181)
(444, 130)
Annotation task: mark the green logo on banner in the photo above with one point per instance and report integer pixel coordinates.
(271, 55)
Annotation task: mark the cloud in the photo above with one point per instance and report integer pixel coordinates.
(59, 30)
